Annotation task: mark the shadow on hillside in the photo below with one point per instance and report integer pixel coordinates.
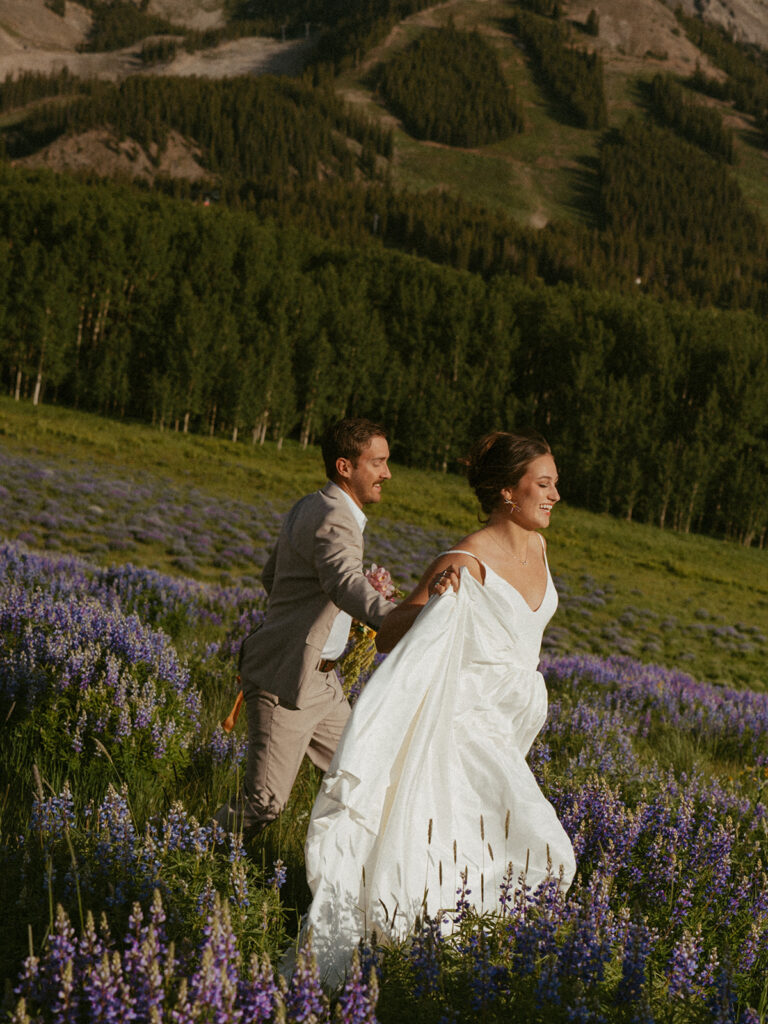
(641, 95)
(584, 188)
(753, 137)
(20, 141)
(556, 109)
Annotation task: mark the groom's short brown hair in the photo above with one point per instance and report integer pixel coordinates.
(347, 439)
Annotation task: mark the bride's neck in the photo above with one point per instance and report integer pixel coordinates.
(511, 536)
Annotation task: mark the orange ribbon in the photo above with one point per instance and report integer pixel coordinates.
(228, 724)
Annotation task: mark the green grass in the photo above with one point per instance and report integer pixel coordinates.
(670, 594)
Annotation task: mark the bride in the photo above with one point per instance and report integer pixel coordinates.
(429, 784)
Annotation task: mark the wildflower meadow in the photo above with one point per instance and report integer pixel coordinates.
(124, 901)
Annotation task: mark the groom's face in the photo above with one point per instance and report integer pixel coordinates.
(362, 479)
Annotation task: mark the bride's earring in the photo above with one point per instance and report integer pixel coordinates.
(513, 506)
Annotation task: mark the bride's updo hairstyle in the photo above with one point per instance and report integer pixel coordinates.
(500, 460)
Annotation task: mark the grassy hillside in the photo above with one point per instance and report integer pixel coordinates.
(209, 508)
(543, 173)
(531, 175)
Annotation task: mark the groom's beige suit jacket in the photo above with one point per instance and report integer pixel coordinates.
(315, 570)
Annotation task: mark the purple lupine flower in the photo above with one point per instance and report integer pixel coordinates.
(590, 934)
(64, 1008)
(107, 995)
(259, 993)
(68, 640)
(53, 816)
(31, 980)
(304, 999)
(685, 965)
(507, 890)
(213, 988)
(749, 948)
(750, 1016)
(534, 927)
(51, 980)
(426, 956)
(487, 980)
(639, 944)
(278, 876)
(90, 947)
(463, 905)
(206, 898)
(722, 1003)
(145, 959)
(238, 878)
(357, 1001)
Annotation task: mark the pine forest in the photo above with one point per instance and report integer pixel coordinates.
(269, 294)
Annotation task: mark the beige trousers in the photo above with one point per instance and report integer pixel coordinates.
(278, 739)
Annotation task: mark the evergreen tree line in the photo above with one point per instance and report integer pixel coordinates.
(27, 87)
(359, 27)
(697, 124)
(116, 24)
(119, 23)
(210, 320)
(348, 30)
(436, 225)
(159, 51)
(745, 65)
(247, 127)
(665, 212)
(448, 86)
(682, 217)
(574, 78)
(668, 215)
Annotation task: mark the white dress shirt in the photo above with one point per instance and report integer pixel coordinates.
(337, 638)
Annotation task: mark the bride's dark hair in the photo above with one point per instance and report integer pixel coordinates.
(500, 460)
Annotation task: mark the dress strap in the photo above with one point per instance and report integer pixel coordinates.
(461, 551)
(544, 551)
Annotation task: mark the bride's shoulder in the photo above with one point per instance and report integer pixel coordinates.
(474, 543)
(467, 553)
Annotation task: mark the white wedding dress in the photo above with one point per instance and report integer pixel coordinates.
(430, 776)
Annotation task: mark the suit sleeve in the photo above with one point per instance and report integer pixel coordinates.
(338, 558)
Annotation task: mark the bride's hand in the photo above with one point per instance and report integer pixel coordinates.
(443, 580)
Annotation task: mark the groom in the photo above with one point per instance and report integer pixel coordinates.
(315, 585)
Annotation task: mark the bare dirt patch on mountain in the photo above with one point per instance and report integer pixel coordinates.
(249, 56)
(34, 39)
(636, 34)
(28, 25)
(196, 14)
(747, 19)
(102, 152)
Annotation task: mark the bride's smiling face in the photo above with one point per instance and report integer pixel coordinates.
(534, 495)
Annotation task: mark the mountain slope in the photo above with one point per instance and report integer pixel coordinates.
(545, 174)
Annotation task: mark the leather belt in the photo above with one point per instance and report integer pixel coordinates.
(326, 664)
